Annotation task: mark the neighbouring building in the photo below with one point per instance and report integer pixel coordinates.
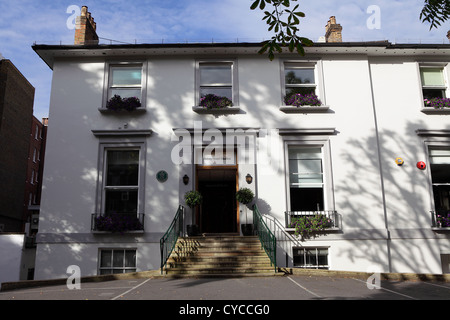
(16, 113)
(367, 147)
(22, 142)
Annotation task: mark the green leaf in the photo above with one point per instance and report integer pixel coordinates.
(254, 5)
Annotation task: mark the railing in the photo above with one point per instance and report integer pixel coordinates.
(117, 222)
(440, 219)
(333, 216)
(168, 241)
(267, 238)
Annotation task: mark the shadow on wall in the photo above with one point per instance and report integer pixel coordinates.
(405, 206)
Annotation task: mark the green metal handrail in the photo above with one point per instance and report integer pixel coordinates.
(168, 241)
(267, 238)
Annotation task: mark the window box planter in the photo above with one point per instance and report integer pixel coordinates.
(304, 224)
(303, 103)
(436, 106)
(214, 104)
(117, 104)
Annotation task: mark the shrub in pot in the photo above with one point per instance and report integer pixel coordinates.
(245, 196)
(193, 198)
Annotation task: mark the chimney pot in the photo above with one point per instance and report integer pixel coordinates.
(333, 31)
(85, 31)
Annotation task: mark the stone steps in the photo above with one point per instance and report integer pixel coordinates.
(219, 256)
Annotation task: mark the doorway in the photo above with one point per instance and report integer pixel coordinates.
(219, 208)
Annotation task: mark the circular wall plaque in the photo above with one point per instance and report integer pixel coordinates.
(162, 176)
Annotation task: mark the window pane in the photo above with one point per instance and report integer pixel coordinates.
(215, 74)
(119, 201)
(302, 90)
(122, 168)
(130, 258)
(322, 255)
(105, 258)
(305, 166)
(125, 93)
(299, 76)
(306, 199)
(221, 92)
(311, 259)
(433, 93)
(118, 259)
(432, 77)
(126, 76)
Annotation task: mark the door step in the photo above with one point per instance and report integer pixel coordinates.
(219, 256)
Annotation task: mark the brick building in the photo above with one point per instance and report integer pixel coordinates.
(16, 112)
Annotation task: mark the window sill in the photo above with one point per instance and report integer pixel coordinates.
(442, 229)
(305, 109)
(227, 110)
(429, 110)
(136, 111)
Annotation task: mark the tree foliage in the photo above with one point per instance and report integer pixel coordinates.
(435, 12)
(283, 22)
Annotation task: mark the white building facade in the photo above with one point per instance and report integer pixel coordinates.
(353, 158)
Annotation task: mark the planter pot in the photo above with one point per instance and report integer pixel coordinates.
(247, 229)
(192, 230)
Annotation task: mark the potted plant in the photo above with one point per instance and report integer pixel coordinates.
(193, 198)
(245, 196)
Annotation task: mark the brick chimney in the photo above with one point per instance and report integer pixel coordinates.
(333, 31)
(85, 29)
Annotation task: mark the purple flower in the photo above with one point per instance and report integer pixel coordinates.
(298, 99)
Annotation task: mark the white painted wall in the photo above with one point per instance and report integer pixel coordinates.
(11, 249)
(350, 82)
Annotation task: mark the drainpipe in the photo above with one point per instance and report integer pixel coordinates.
(380, 168)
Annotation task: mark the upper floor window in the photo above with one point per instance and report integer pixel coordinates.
(125, 81)
(218, 78)
(302, 84)
(299, 78)
(433, 82)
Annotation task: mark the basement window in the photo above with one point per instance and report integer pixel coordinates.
(114, 261)
(311, 258)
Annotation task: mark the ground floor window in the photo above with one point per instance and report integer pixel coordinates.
(117, 261)
(440, 178)
(311, 258)
(306, 178)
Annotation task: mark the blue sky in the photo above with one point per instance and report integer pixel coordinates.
(23, 22)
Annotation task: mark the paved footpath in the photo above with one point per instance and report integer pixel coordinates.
(230, 298)
(292, 287)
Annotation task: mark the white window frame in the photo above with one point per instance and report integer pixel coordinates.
(107, 144)
(304, 64)
(123, 269)
(107, 86)
(311, 141)
(234, 79)
(444, 66)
